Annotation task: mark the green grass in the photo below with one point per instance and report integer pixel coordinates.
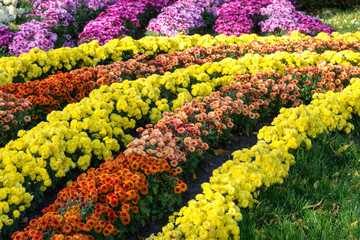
(342, 20)
(320, 199)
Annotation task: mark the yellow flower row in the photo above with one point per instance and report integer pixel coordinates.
(94, 127)
(214, 214)
(37, 63)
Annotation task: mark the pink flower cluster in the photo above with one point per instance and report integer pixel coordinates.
(5, 37)
(159, 4)
(71, 4)
(98, 4)
(283, 16)
(33, 34)
(47, 4)
(112, 23)
(180, 17)
(56, 15)
(236, 18)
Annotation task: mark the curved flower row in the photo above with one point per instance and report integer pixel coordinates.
(56, 92)
(92, 128)
(60, 22)
(38, 63)
(215, 212)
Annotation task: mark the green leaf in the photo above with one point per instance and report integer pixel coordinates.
(156, 189)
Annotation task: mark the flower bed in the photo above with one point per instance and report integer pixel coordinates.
(38, 63)
(181, 114)
(56, 91)
(208, 120)
(54, 24)
(68, 23)
(234, 18)
(103, 200)
(101, 123)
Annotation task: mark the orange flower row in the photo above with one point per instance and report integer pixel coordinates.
(294, 86)
(97, 199)
(59, 89)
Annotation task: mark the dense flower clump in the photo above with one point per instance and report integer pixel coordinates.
(9, 11)
(33, 34)
(5, 39)
(117, 20)
(235, 18)
(14, 115)
(180, 17)
(284, 17)
(238, 17)
(102, 200)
